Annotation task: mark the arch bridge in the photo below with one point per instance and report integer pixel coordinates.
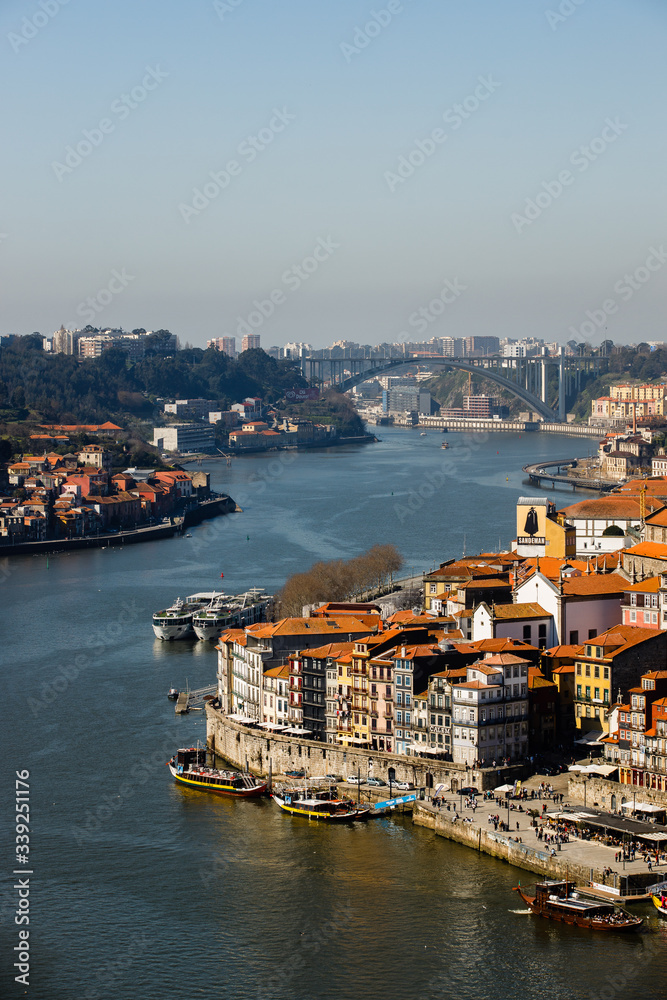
(525, 378)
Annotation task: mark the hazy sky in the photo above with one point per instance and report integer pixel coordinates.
(168, 163)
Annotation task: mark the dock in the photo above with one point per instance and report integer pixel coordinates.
(194, 699)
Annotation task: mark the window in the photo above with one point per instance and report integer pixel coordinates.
(399, 679)
(633, 616)
(527, 633)
(407, 718)
(588, 691)
(399, 698)
(597, 670)
(592, 632)
(605, 673)
(433, 720)
(574, 637)
(439, 701)
(588, 670)
(542, 631)
(579, 669)
(597, 694)
(407, 699)
(399, 717)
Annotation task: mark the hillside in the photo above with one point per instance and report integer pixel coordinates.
(50, 388)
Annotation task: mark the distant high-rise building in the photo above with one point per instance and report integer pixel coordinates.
(250, 342)
(65, 341)
(225, 344)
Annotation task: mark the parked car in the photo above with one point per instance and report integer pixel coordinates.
(353, 779)
(375, 781)
(334, 777)
(468, 790)
(405, 786)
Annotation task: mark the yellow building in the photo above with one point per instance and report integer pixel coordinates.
(542, 531)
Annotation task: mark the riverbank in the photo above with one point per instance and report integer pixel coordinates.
(216, 507)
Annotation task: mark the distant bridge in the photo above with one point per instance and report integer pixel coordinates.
(525, 378)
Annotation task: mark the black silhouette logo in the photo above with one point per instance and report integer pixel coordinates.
(531, 522)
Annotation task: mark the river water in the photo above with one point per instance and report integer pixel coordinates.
(144, 890)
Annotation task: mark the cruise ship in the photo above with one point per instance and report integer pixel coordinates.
(176, 622)
(231, 612)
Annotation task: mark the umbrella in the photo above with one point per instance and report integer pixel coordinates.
(575, 767)
(504, 788)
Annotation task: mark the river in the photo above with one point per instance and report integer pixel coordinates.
(141, 889)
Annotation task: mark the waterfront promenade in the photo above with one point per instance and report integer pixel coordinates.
(520, 844)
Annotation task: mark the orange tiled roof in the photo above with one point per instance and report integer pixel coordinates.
(652, 550)
(510, 611)
(594, 585)
(621, 637)
(503, 659)
(608, 508)
(649, 586)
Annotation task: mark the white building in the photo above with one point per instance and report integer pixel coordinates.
(580, 605)
(184, 437)
(528, 622)
(275, 695)
(490, 711)
(602, 523)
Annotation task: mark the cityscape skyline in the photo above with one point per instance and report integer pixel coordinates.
(335, 172)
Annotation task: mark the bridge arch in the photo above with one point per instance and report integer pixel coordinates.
(533, 401)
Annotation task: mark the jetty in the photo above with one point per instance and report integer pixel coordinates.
(539, 472)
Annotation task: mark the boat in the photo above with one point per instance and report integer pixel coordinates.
(558, 901)
(224, 612)
(176, 622)
(313, 807)
(188, 767)
(445, 444)
(660, 903)
(173, 694)
(422, 434)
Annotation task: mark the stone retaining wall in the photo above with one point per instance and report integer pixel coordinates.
(258, 750)
(600, 792)
(501, 845)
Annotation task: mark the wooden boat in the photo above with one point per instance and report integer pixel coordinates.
(660, 903)
(558, 901)
(188, 767)
(327, 810)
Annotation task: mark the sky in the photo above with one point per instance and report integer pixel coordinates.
(316, 171)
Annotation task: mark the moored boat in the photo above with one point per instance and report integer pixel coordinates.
(176, 622)
(558, 901)
(188, 767)
(173, 694)
(326, 810)
(225, 612)
(660, 903)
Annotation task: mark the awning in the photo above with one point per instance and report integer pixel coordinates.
(429, 750)
(297, 731)
(343, 737)
(270, 725)
(591, 739)
(646, 807)
(603, 769)
(653, 836)
(576, 767)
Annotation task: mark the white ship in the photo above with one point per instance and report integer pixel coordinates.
(231, 612)
(176, 622)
